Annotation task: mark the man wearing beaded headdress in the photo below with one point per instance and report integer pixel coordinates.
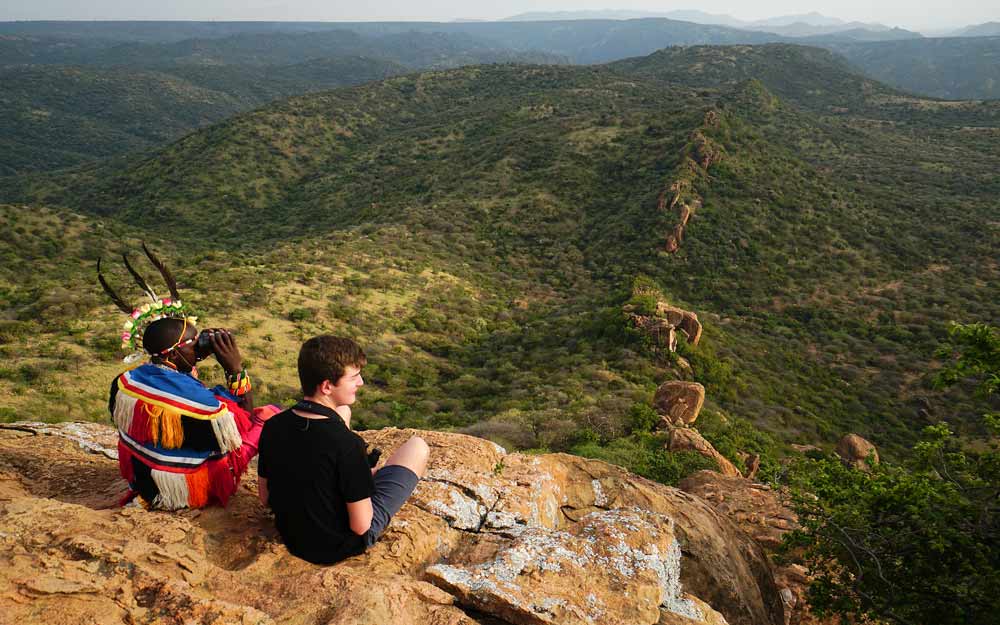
(180, 443)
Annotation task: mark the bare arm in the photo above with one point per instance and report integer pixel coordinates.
(360, 515)
(262, 490)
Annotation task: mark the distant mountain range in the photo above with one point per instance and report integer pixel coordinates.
(800, 25)
(76, 91)
(989, 29)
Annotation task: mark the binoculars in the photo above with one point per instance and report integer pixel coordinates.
(203, 347)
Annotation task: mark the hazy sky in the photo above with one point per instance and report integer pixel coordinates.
(929, 14)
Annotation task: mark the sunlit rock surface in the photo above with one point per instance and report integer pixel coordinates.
(489, 537)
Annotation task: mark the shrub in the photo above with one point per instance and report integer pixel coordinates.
(917, 542)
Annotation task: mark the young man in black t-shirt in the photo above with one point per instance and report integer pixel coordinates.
(314, 471)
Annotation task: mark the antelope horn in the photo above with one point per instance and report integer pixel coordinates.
(167, 276)
(118, 301)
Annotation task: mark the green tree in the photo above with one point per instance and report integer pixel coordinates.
(917, 542)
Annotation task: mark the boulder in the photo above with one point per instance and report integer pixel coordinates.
(679, 402)
(854, 452)
(612, 566)
(661, 332)
(688, 439)
(645, 552)
(684, 320)
(763, 513)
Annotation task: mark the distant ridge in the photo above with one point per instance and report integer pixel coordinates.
(813, 18)
(987, 29)
(698, 17)
(799, 25)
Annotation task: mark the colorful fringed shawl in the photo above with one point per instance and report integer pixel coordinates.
(148, 410)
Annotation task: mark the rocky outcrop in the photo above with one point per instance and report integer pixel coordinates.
(688, 439)
(489, 537)
(757, 508)
(660, 332)
(542, 577)
(684, 320)
(665, 325)
(678, 403)
(765, 514)
(855, 451)
(680, 198)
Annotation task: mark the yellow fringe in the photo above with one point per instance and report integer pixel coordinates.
(164, 426)
(153, 402)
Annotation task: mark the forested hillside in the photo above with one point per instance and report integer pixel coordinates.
(74, 92)
(66, 101)
(956, 68)
(480, 230)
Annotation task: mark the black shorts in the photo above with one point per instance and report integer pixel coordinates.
(393, 486)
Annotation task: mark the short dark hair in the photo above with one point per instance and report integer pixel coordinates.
(325, 358)
(162, 334)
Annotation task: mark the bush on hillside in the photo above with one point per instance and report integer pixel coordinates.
(917, 542)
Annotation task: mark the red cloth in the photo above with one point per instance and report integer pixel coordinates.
(224, 473)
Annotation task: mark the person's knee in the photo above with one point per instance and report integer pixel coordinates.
(420, 451)
(420, 447)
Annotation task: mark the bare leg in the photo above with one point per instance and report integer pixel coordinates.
(412, 454)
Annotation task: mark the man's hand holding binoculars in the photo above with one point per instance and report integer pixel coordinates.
(222, 344)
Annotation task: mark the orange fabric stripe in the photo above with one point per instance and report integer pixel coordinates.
(197, 483)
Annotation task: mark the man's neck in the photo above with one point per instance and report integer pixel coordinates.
(323, 401)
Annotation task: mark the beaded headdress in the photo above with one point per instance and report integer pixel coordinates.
(140, 317)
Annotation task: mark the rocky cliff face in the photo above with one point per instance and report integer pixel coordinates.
(489, 537)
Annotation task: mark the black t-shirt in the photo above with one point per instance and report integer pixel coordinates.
(314, 468)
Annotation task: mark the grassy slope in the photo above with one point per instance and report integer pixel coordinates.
(495, 215)
(454, 241)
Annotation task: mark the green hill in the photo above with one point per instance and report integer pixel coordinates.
(70, 101)
(480, 229)
(954, 68)
(959, 67)
(55, 116)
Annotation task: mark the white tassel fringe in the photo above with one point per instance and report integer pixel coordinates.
(173, 490)
(226, 432)
(124, 409)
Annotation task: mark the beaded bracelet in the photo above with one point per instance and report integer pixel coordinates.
(239, 383)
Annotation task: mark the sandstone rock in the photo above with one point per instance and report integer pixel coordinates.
(854, 451)
(68, 555)
(663, 327)
(661, 332)
(802, 449)
(680, 402)
(764, 514)
(685, 320)
(758, 510)
(629, 560)
(672, 242)
(688, 439)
